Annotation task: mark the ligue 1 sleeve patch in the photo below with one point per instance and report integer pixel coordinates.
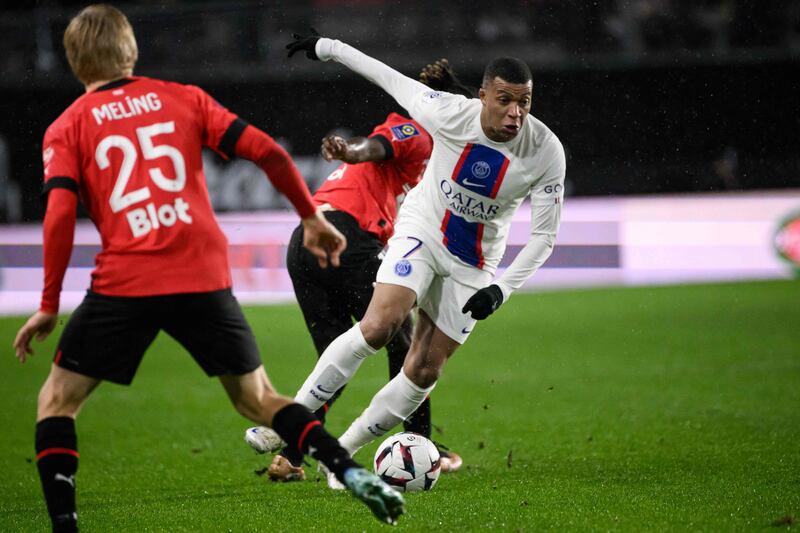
(404, 131)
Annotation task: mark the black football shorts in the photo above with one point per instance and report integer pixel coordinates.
(106, 336)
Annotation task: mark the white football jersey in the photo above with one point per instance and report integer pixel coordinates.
(472, 185)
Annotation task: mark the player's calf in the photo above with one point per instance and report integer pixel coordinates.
(57, 462)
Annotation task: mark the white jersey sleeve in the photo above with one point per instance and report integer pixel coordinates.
(547, 196)
(432, 109)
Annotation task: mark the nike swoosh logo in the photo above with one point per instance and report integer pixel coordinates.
(472, 184)
(465, 331)
(325, 391)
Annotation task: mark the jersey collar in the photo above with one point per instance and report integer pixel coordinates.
(114, 84)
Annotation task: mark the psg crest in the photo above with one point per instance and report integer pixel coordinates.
(402, 267)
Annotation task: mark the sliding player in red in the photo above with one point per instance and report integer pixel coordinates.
(130, 149)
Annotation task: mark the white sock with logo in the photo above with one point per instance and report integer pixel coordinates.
(395, 402)
(337, 364)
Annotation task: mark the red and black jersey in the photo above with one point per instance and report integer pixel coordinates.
(372, 192)
(132, 151)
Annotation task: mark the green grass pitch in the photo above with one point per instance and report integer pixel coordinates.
(672, 408)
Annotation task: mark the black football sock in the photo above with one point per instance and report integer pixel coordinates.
(420, 420)
(304, 433)
(57, 461)
(322, 411)
(294, 455)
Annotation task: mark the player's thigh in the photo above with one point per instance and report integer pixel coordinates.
(360, 286)
(444, 302)
(107, 336)
(212, 328)
(408, 263)
(326, 314)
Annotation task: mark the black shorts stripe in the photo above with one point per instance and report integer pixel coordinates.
(228, 143)
(387, 145)
(58, 182)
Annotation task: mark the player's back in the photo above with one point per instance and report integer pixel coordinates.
(134, 148)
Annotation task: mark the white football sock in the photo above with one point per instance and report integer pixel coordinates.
(335, 367)
(395, 402)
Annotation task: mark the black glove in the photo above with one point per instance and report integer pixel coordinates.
(484, 302)
(307, 43)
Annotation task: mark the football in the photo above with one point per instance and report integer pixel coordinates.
(408, 462)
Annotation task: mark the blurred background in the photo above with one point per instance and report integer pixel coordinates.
(680, 119)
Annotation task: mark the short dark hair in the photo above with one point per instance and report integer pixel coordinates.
(510, 69)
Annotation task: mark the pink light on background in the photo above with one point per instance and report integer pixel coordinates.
(608, 241)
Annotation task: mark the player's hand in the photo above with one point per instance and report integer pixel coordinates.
(304, 42)
(39, 325)
(335, 147)
(484, 302)
(323, 240)
(438, 76)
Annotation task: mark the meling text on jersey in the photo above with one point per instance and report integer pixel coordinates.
(130, 106)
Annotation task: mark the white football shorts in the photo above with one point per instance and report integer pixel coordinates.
(442, 282)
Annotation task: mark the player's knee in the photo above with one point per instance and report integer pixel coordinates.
(423, 375)
(379, 328)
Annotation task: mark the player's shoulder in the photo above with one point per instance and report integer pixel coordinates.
(401, 127)
(170, 86)
(452, 114)
(443, 98)
(66, 122)
(539, 139)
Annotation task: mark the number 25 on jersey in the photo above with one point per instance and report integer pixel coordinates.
(142, 220)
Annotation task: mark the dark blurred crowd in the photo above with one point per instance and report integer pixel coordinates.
(648, 96)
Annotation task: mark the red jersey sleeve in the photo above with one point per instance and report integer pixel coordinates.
(60, 193)
(60, 158)
(229, 136)
(410, 145)
(221, 127)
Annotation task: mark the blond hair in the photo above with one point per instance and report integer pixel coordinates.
(100, 44)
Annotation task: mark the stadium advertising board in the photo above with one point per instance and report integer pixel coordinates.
(602, 242)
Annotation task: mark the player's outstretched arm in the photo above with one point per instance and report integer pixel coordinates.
(59, 230)
(400, 87)
(321, 238)
(355, 150)
(547, 197)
